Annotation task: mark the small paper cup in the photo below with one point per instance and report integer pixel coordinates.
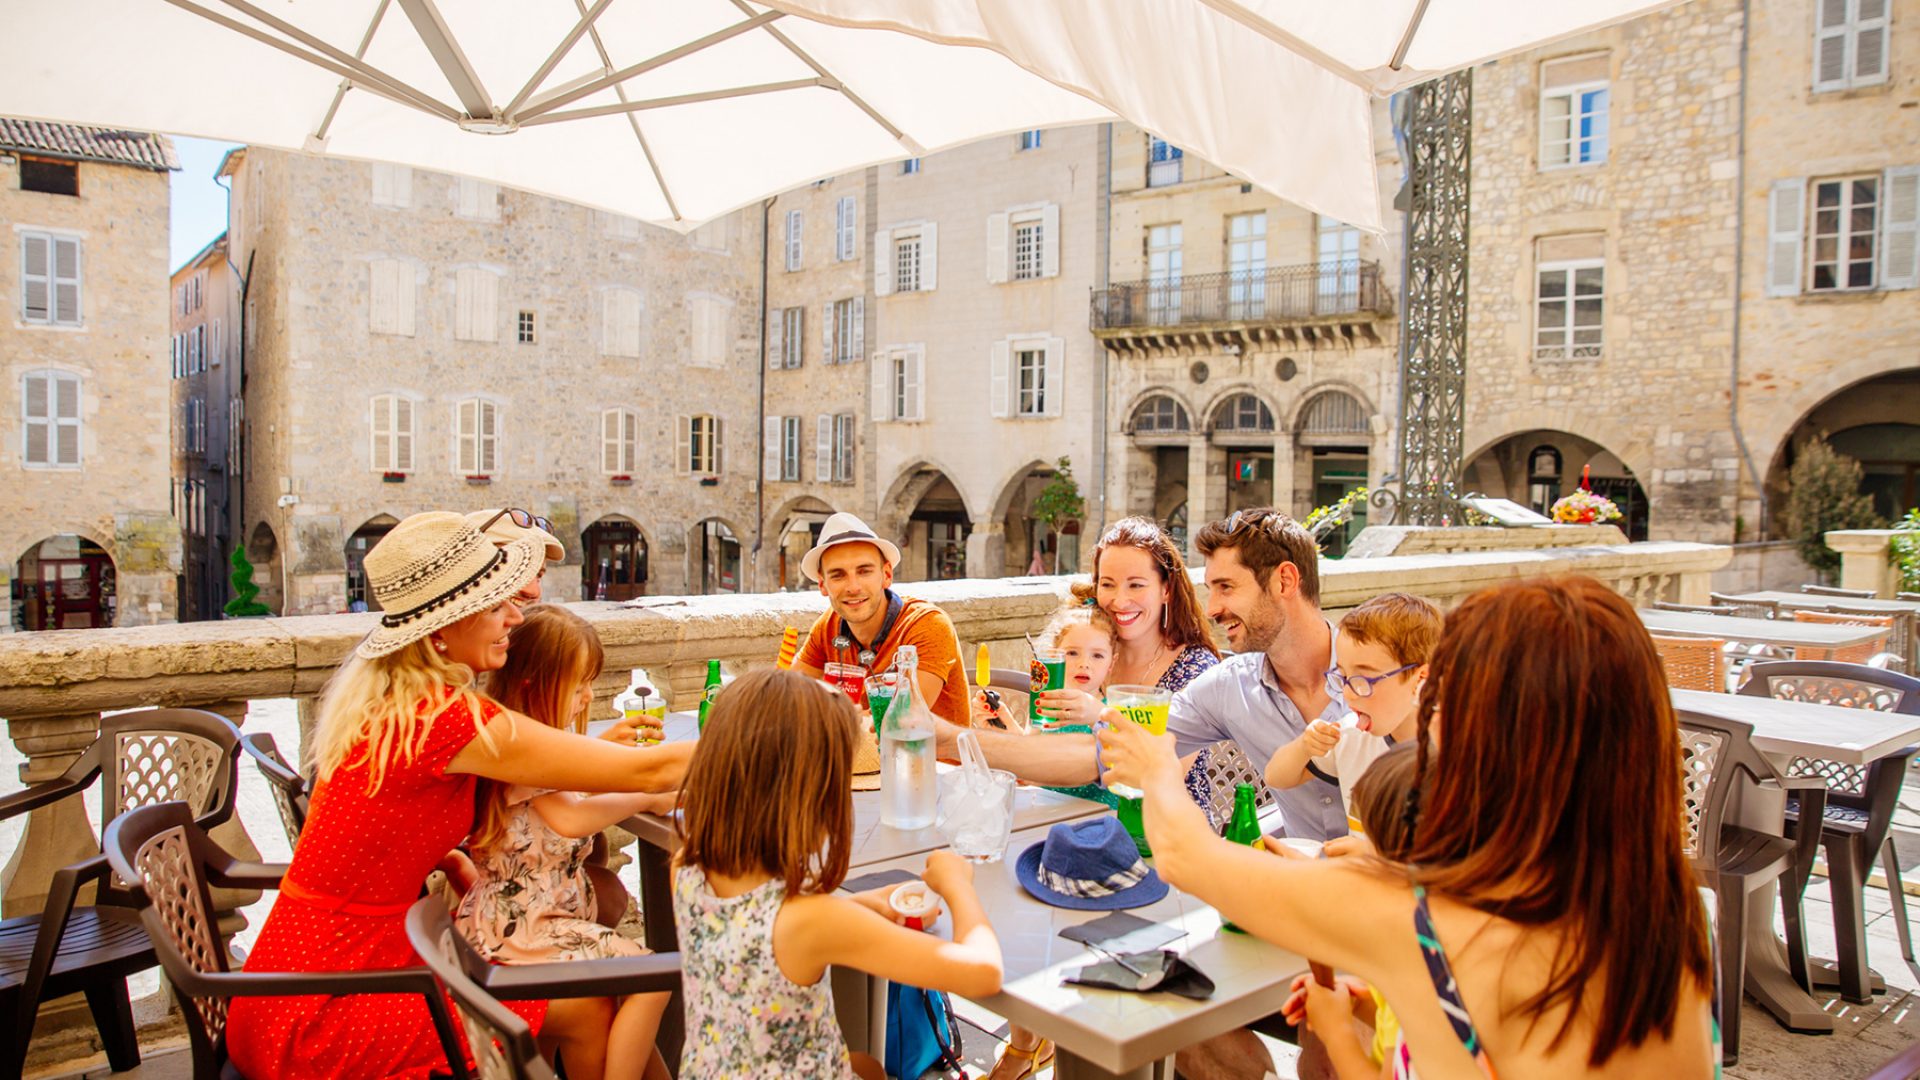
(1309, 848)
(915, 903)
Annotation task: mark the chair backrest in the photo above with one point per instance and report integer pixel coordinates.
(1829, 590)
(1835, 617)
(1747, 609)
(502, 1044)
(1847, 686)
(290, 794)
(1696, 609)
(1845, 654)
(162, 851)
(1693, 663)
(157, 756)
(1716, 756)
(1227, 768)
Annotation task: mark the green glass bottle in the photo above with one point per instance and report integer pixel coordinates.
(1243, 828)
(707, 695)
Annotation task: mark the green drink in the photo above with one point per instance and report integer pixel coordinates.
(1243, 828)
(880, 690)
(1129, 812)
(1049, 672)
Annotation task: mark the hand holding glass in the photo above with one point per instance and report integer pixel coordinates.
(1146, 706)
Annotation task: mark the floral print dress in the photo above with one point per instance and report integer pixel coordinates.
(745, 1018)
(534, 902)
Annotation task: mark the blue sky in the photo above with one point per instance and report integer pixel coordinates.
(199, 201)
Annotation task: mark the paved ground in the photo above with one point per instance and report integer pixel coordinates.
(1864, 1035)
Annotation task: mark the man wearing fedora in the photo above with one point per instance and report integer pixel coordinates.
(866, 621)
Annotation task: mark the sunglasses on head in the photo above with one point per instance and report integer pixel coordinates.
(521, 518)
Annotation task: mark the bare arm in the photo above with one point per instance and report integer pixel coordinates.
(584, 815)
(1057, 759)
(812, 933)
(526, 751)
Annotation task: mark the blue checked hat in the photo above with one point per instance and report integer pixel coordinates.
(1089, 865)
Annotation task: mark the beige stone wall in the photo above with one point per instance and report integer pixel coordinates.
(317, 364)
(117, 497)
(207, 519)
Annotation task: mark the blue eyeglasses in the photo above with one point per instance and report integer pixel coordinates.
(1360, 686)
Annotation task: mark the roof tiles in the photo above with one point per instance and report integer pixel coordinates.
(140, 149)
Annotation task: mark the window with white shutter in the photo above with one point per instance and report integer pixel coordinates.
(793, 239)
(700, 444)
(1786, 211)
(216, 345)
(789, 448)
(849, 317)
(476, 304)
(1843, 233)
(391, 427)
(50, 419)
(912, 258)
(823, 448)
(771, 433)
(843, 448)
(392, 185)
(883, 262)
(707, 318)
(619, 439)
(898, 383)
(1900, 229)
(793, 339)
(912, 399)
(846, 217)
(906, 263)
(1030, 380)
(391, 294)
(49, 279)
(477, 200)
(1849, 44)
(620, 322)
(477, 432)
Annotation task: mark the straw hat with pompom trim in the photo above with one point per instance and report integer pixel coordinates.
(435, 569)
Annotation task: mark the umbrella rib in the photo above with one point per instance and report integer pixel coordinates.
(362, 73)
(633, 121)
(846, 91)
(677, 99)
(449, 56)
(1406, 39)
(1232, 9)
(553, 58)
(549, 103)
(333, 107)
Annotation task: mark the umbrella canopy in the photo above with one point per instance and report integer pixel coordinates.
(677, 111)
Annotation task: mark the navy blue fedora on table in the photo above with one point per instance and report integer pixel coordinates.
(1089, 865)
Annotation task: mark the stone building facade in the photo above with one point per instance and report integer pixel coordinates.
(207, 416)
(421, 341)
(87, 539)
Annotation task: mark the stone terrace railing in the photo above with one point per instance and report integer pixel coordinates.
(54, 685)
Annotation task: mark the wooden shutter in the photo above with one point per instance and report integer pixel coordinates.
(464, 287)
(380, 296)
(848, 244)
(843, 447)
(929, 257)
(489, 436)
(859, 346)
(610, 442)
(402, 434)
(776, 339)
(1056, 387)
(1900, 228)
(382, 416)
(36, 277)
(382, 184)
(797, 338)
(1869, 42)
(468, 432)
(1786, 208)
(823, 448)
(999, 382)
(772, 431)
(479, 200)
(1830, 44)
(827, 329)
(881, 384)
(1050, 241)
(793, 239)
(483, 311)
(683, 444)
(883, 262)
(719, 448)
(997, 269)
(36, 410)
(66, 420)
(627, 322)
(916, 387)
(66, 280)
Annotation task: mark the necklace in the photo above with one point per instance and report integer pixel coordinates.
(1152, 663)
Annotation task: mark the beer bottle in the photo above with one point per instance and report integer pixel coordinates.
(707, 694)
(1243, 828)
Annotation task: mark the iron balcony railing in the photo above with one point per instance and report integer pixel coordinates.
(1271, 295)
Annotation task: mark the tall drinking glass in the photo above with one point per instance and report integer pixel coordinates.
(1146, 706)
(1049, 672)
(880, 690)
(976, 814)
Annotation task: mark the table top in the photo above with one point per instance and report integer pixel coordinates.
(1797, 728)
(1816, 602)
(1033, 808)
(1115, 1030)
(1758, 631)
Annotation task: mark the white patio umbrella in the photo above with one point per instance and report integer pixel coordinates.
(677, 111)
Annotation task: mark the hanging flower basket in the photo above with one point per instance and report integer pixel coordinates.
(393, 478)
(477, 481)
(621, 481)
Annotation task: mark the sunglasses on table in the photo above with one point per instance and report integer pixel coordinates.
(521, 518)
(1360, 686)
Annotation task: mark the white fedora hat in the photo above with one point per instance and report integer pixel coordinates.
(844, 528)
(435, 569)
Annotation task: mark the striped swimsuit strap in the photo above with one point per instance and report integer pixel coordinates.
(1444, 985)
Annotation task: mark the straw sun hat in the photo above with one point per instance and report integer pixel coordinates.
(435, 569)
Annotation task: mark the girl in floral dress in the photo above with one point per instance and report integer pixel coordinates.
(767, 833)
(532, 901)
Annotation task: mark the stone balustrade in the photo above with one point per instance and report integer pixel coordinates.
(1866, 560)
(54, 685)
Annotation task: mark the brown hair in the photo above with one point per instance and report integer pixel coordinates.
(1407, 626)
(1380, 801)
(1552, 688)
(770, 788)
(551, 654)
(1265, 538)
(1186, 622)
(1077, 614)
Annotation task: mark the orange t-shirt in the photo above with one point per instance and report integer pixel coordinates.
(921, 625)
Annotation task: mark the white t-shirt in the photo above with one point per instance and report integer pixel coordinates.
(1349, 758)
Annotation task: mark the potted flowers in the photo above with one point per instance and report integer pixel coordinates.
(1583, 507)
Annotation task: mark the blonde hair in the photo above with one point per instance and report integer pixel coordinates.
(553, 652)
(375, 712)
(1077, 614)
(1405, 625)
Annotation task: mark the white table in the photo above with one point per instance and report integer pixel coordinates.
(1106, 1033)
(1784, 633)
(1906, 614)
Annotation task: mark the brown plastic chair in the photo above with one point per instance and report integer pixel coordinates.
(1904, 1065)
(1858, 818)
(1829, 590)
(1718, 759)
(141, 758)
(501, 1043)
(1694, 609)
(1227, 767)
(1693, 663)
(1747, 609)
(1845, 654)
(291, 793)
(1901, 648)
(170, 861)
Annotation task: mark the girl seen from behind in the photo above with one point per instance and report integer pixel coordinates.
(767, 834)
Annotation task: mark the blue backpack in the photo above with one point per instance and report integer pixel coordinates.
(921, 1033)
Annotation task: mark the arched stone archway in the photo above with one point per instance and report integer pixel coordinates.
(713, 557)
(1163, 435)
(1536, 467)
(928, 514)
(1332, 430)
(1875, 421)
(1029, 545)
(359, 542)
(269, 572)
(64, 582)
(614, 562)
(794, 527)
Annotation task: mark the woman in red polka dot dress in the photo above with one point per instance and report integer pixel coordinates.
(401, 740)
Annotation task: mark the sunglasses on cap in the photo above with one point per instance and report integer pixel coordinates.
(521, 518)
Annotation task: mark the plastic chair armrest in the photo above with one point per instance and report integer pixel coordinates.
(415, 980)
(248, 875)
(592, 978)
(47, 791)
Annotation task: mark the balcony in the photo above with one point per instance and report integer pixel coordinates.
(1297, 305)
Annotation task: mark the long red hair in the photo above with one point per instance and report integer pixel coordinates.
(1554, 799)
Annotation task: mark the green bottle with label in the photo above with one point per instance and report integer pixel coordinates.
(712, 689)
(1243, 828)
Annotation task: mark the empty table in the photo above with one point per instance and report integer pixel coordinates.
(1783, 633)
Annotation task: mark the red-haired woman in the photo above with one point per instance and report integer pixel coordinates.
(1546, 922)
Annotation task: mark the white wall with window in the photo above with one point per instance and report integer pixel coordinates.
(476, 303)
(1030, 139)
(390, 296)
(899, 383)
(392, 185)
(1846, 233)
(1569, 297)
(1574, 99)
(1026, 377)
(795, 223)
(906, 258)
(846, 330)
(50, 419)
(698, 445)
(780, 449)
(786, 338)
(708, 331)
(476, 200)
(1023, 243)
(476, 437)
(1165, 162)
(1849, 44)
(620, 321)
(619, 441)
(390, 419)
(49, 278)
(846, 229)
(833, 448)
